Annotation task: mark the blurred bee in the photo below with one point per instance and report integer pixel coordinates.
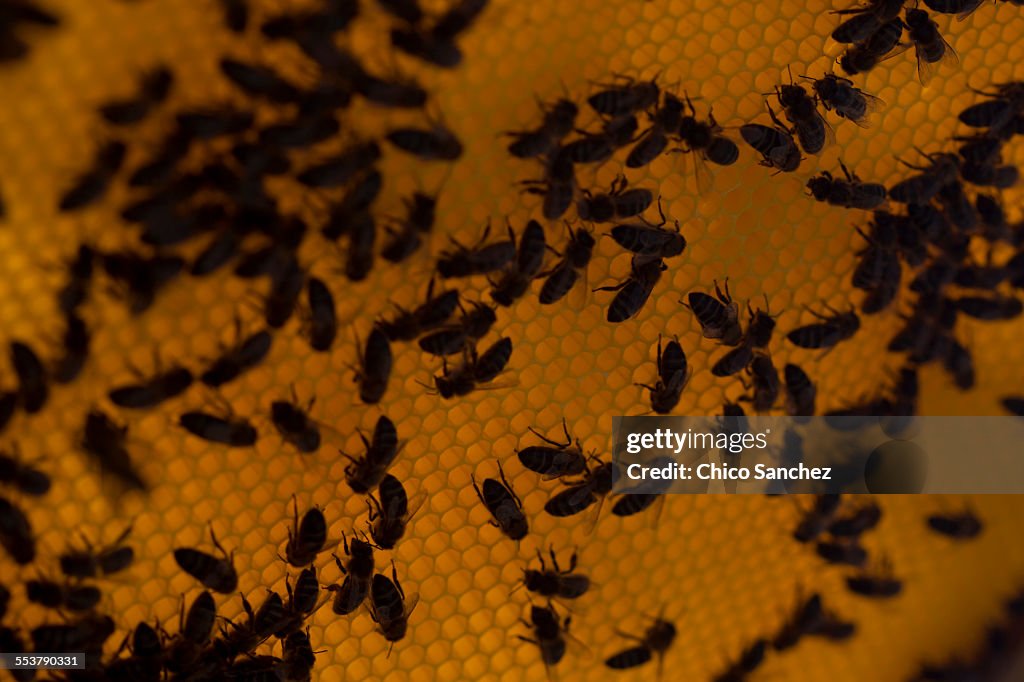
(776, 144)
(990, 307)
(515, 280)
(931, 48)
(104, 441)
(634, 291)
(812, 130)
(459, 17)
(563, 459)
(432, 313)
(865, 20)
(218, 575)
(504, 505)
(25, 478)
(757, 337)
(672, 377)
(74, 598)
(298, 658)
(827, 333)
(556, 583)
(962, 8)
(86, 634)
(427, 47)
(236, 359)
(154, 86)
(840, 95)
(704, 141)
(800, 391)
(990, 175)
(879, 584)
(618, 203)
(436, 143)
(193, 634)
(389, 606)
(231, 431)
(337, 170)
(750, 660)
(455, 338)
(570, 269)
(558, 186)
(811, 618)
(719, 319)
(959, 526)
(842, 552)
(817, 519)
(92, 562)
(549, 633)
(559, 119)
(33, 390)
(363, 474)
(323, 318)
(476, 369)
(592, 487)
(623, 100)
(406, 237)
(478, 259)
(599, 147)
(957, 207)
(8, 404)
(878, 265)
(857, 522)
(998, 114)
(656, 640)
(212, 122)
(306, 538)
(236, 14)
(358, 572)
(375, 367)
(765, 380)
(139, 278)
(1014, 405)
(398, 93)
(79, 276)
(665, 121)
(294, 424)
(865, 56)
(390, 515)
(851, 193)
(92, 184)
(152, 391)
(16, 533)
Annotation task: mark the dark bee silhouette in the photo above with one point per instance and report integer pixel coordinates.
(257, 80)
(623, 100)
(476, 369)
(1014, 405)
(68, 596)
(705, 141)
(323, 319)
(995, 114)
(800, 391)
(232, 431)
(400, 93)
(812, 130)
(479, 259)
(827, 333)
(634, 291)
(619, 202)
(294, 424)
(301, 132)
(672, 377)
(765, 378)
(489, 364)
(92, 562)
(776, 144)
(140, 278)
(217, 574)
(301, 603)
(516, 279)
(757, 337)
(649, 241)
(459, 17)
(857, 522)
(154, 86)
(104, 441)
(572, 267)
(558, 185)
(152, 391)
(719, 319)
(91, 185)
(436, 143)
(750, 660)
(865, 20)
(592, 487)
(306, 537)
(432, 313)
(549, 633)
(845, 552)
(16, 533)
(599, 147)
(878, 584)
(556, 583)
(363, 474)
(375, 367)
(236, 14)
(989, 307)
(657, 638)
(959, 526)
(74, 293)
(840, 95)
(554, 462)
(931, 48)
(211, 122)
(244, 355)
(851, 193)
(33, 390)
(86, 634)
(811, 618)
(194, 632)
(285, 290)
(25, 478)
(389, 515)
(408, 11)
(8, 405)
(452, 339)
(358, 573)
(426, 47)
(389, 606)
(406, 239)
(962, 8)
(665, 121)
(816, 520)
(504, 505)
(865, 55)
(339, 169)
(298, 658)
(558, 122)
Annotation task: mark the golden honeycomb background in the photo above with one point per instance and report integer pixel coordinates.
(723, 568)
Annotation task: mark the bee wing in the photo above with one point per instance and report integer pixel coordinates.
(702, 176)
(579, 294)
(830, 133)
(410, 603)
(872, 105)
(415, 503)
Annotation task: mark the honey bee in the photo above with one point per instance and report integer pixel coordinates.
(817, 519)
(672, 377)
(591, 488)
(812, 130)
(91, 562)
(358, 571)
(559, 119)
(656, 640)
(931, 48)
(389, 606)
(875, 584)
(776, 145)
(750, 659)
(623, 100)
(153, 88)
(549, 633)
(306, 538)
(719, 319)
(664, 122)
(619, 202)
(800, 391)
(504, 505)
(479, 259)
(436, 143)
(218, 575)
(556, 583)
(827, 333)
(634, 291)
(363, 474)
(865, 56)
(851, 193)
(93, 184)
(958, 526)
(840, 95)
(390, 515)
(570, 270)
(563, 459)
(375, 367)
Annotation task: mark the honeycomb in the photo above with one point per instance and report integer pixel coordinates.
(724, 569)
